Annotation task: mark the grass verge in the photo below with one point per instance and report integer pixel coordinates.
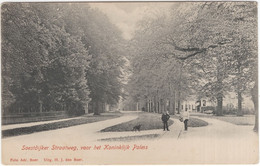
(57, 125)
(132, 138)
(194, 122)
(148, 121)
(237, 120)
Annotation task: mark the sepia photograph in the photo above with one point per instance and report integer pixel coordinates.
(129, 83)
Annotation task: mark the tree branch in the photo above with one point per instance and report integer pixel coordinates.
(173, 43)
(195, 50)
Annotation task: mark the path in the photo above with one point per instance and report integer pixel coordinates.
(88, 131)
(72, 136)
(175, 130)
(218, 143)
(219, 129)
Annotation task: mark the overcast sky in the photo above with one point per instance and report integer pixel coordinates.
(126, 15)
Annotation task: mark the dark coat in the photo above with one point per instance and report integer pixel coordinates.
(165, 117)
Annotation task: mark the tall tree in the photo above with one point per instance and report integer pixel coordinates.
(105, 44)
(47, 64)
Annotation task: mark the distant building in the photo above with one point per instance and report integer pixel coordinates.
(204, 104)
(189, 104)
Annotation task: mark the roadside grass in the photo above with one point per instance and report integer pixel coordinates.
(132, 138)
(149, 121)
(237, 120)
(35, 118)
(57, 125)
(193, 122)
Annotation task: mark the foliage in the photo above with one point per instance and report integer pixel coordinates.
(54, 54)
(202, 48)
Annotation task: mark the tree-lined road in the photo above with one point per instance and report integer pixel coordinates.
(70, 59)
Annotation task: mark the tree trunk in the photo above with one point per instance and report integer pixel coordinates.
(161, 106)
(96, 107)
(146, 106)
(153, 108)
(149, 108)
(180, 88)
(103, 107)
(154, 104)
(239, 104)
(164, 106)
(254, 93)
(179, 103)
(169, 107)
(158, 107)
(219, 106)
(150, 105)
(173, 104)
(219, 87)
(256, 117)
(86, 108)
(239, 93)
(40, 102)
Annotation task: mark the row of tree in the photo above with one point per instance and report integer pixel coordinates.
(59, 56)
(206, 49)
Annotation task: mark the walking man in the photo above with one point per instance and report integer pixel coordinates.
(165, 118)
(185, 117)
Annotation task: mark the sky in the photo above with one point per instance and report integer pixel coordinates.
(126, 15)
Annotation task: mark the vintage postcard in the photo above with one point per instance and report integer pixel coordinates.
(129, 83)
